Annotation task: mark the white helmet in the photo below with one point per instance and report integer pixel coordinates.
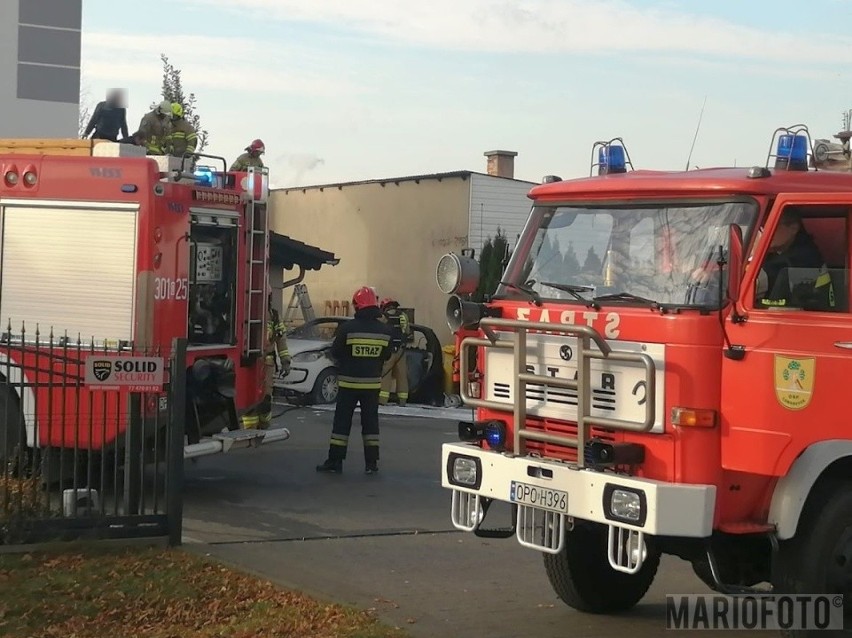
(164, 108)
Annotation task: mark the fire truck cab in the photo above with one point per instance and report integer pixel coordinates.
(661, 371)
(123, 252)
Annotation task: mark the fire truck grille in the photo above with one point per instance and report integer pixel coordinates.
(601, 399)
(565, 453)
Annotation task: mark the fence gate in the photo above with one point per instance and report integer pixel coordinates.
(91, 439)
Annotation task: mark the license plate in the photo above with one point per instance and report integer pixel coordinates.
(541, 497)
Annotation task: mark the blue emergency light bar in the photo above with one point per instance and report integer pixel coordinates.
(204, 176)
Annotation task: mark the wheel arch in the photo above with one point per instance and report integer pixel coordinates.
(820, 462)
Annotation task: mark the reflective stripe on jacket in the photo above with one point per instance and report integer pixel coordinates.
(360, 348)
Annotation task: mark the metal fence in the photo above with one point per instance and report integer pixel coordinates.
(91, 439)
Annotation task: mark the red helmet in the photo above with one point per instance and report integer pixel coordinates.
(364, 297)
(386, 302)
(256, 146)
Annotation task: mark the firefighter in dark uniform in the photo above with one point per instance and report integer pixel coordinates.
(360, 348)
(793, 247)
(396, 368)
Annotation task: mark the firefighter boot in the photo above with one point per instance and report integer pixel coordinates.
(372, 467)
(331, 467)
(265, 410)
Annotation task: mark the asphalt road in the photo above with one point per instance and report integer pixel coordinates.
(385, 541)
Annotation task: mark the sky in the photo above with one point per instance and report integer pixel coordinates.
(346, 90)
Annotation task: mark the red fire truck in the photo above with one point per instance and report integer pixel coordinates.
(125, 254)
(661, 371)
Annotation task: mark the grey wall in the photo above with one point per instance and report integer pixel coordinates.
(40, 67)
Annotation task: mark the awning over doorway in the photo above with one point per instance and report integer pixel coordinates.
(289, 253)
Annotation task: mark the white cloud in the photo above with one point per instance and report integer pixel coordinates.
(603, 27)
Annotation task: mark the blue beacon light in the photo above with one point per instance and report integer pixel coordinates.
(612, 160)
(792, 153)
(204, 176)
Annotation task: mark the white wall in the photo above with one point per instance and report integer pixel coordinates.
(497, 202)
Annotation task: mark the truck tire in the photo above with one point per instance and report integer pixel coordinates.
(819, 558)
(582, 578)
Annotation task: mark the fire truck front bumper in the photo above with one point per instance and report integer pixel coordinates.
(548, 496)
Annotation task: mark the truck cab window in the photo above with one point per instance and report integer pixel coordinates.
(805, 266)
(212, 284)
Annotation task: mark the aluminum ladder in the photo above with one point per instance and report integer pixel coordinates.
(300, 299)
(257, 268)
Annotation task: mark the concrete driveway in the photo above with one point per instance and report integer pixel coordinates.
(386, 541)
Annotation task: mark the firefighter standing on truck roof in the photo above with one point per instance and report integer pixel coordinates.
(155, 126)
(251, 157)
(395, 368)
(182, 138)
(276, 359)
(360, 348)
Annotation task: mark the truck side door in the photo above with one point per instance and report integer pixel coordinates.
(788, 391)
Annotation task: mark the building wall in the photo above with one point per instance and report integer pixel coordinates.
(497, 202)
(40, 67)
(390, 236)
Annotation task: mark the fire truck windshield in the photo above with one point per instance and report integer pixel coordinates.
(634, 254)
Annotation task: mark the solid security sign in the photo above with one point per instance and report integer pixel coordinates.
(136, 374)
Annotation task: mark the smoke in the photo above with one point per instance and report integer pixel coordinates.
(298, 165)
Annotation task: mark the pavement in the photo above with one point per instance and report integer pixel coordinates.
(385, 541)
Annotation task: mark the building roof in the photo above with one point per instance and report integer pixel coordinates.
(397, 180)
(287, 252)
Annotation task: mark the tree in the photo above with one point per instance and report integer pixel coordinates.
(570, 263)
(593, 263)
(85, 111)
(173, 91)
(491, 258)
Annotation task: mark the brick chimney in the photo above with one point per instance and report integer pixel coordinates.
(501, 163)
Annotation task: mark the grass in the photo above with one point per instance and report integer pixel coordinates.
(156, 593)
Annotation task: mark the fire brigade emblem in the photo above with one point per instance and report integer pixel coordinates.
(794, 381)
(101, 369)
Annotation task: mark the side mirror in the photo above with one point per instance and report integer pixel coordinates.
(735, 262)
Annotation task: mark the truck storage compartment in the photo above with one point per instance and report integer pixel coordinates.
(69, 266)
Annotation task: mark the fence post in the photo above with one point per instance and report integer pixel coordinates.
(176, 427)
(133, 457)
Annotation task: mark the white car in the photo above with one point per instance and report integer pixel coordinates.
(313, 376)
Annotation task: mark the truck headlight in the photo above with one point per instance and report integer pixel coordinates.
(625, 504)
(464, 471)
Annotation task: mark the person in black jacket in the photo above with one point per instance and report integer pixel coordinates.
(360, 348)
(793, 247)
(109, 118)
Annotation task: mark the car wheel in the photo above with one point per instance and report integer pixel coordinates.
(325, 388)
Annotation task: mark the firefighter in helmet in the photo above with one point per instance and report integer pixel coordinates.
(396, 368)
(183, 137)
(360, 348)
(155, 127)
(276, 359)
(251, 157)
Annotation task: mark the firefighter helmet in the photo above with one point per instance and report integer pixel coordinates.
(164, 107)
(387, 302)
(256, 147)
(177, 110)
(364, 297)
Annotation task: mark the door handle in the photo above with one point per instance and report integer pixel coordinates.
(843, 344)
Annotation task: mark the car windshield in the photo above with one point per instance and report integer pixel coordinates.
(315, 330)
(662, 254)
